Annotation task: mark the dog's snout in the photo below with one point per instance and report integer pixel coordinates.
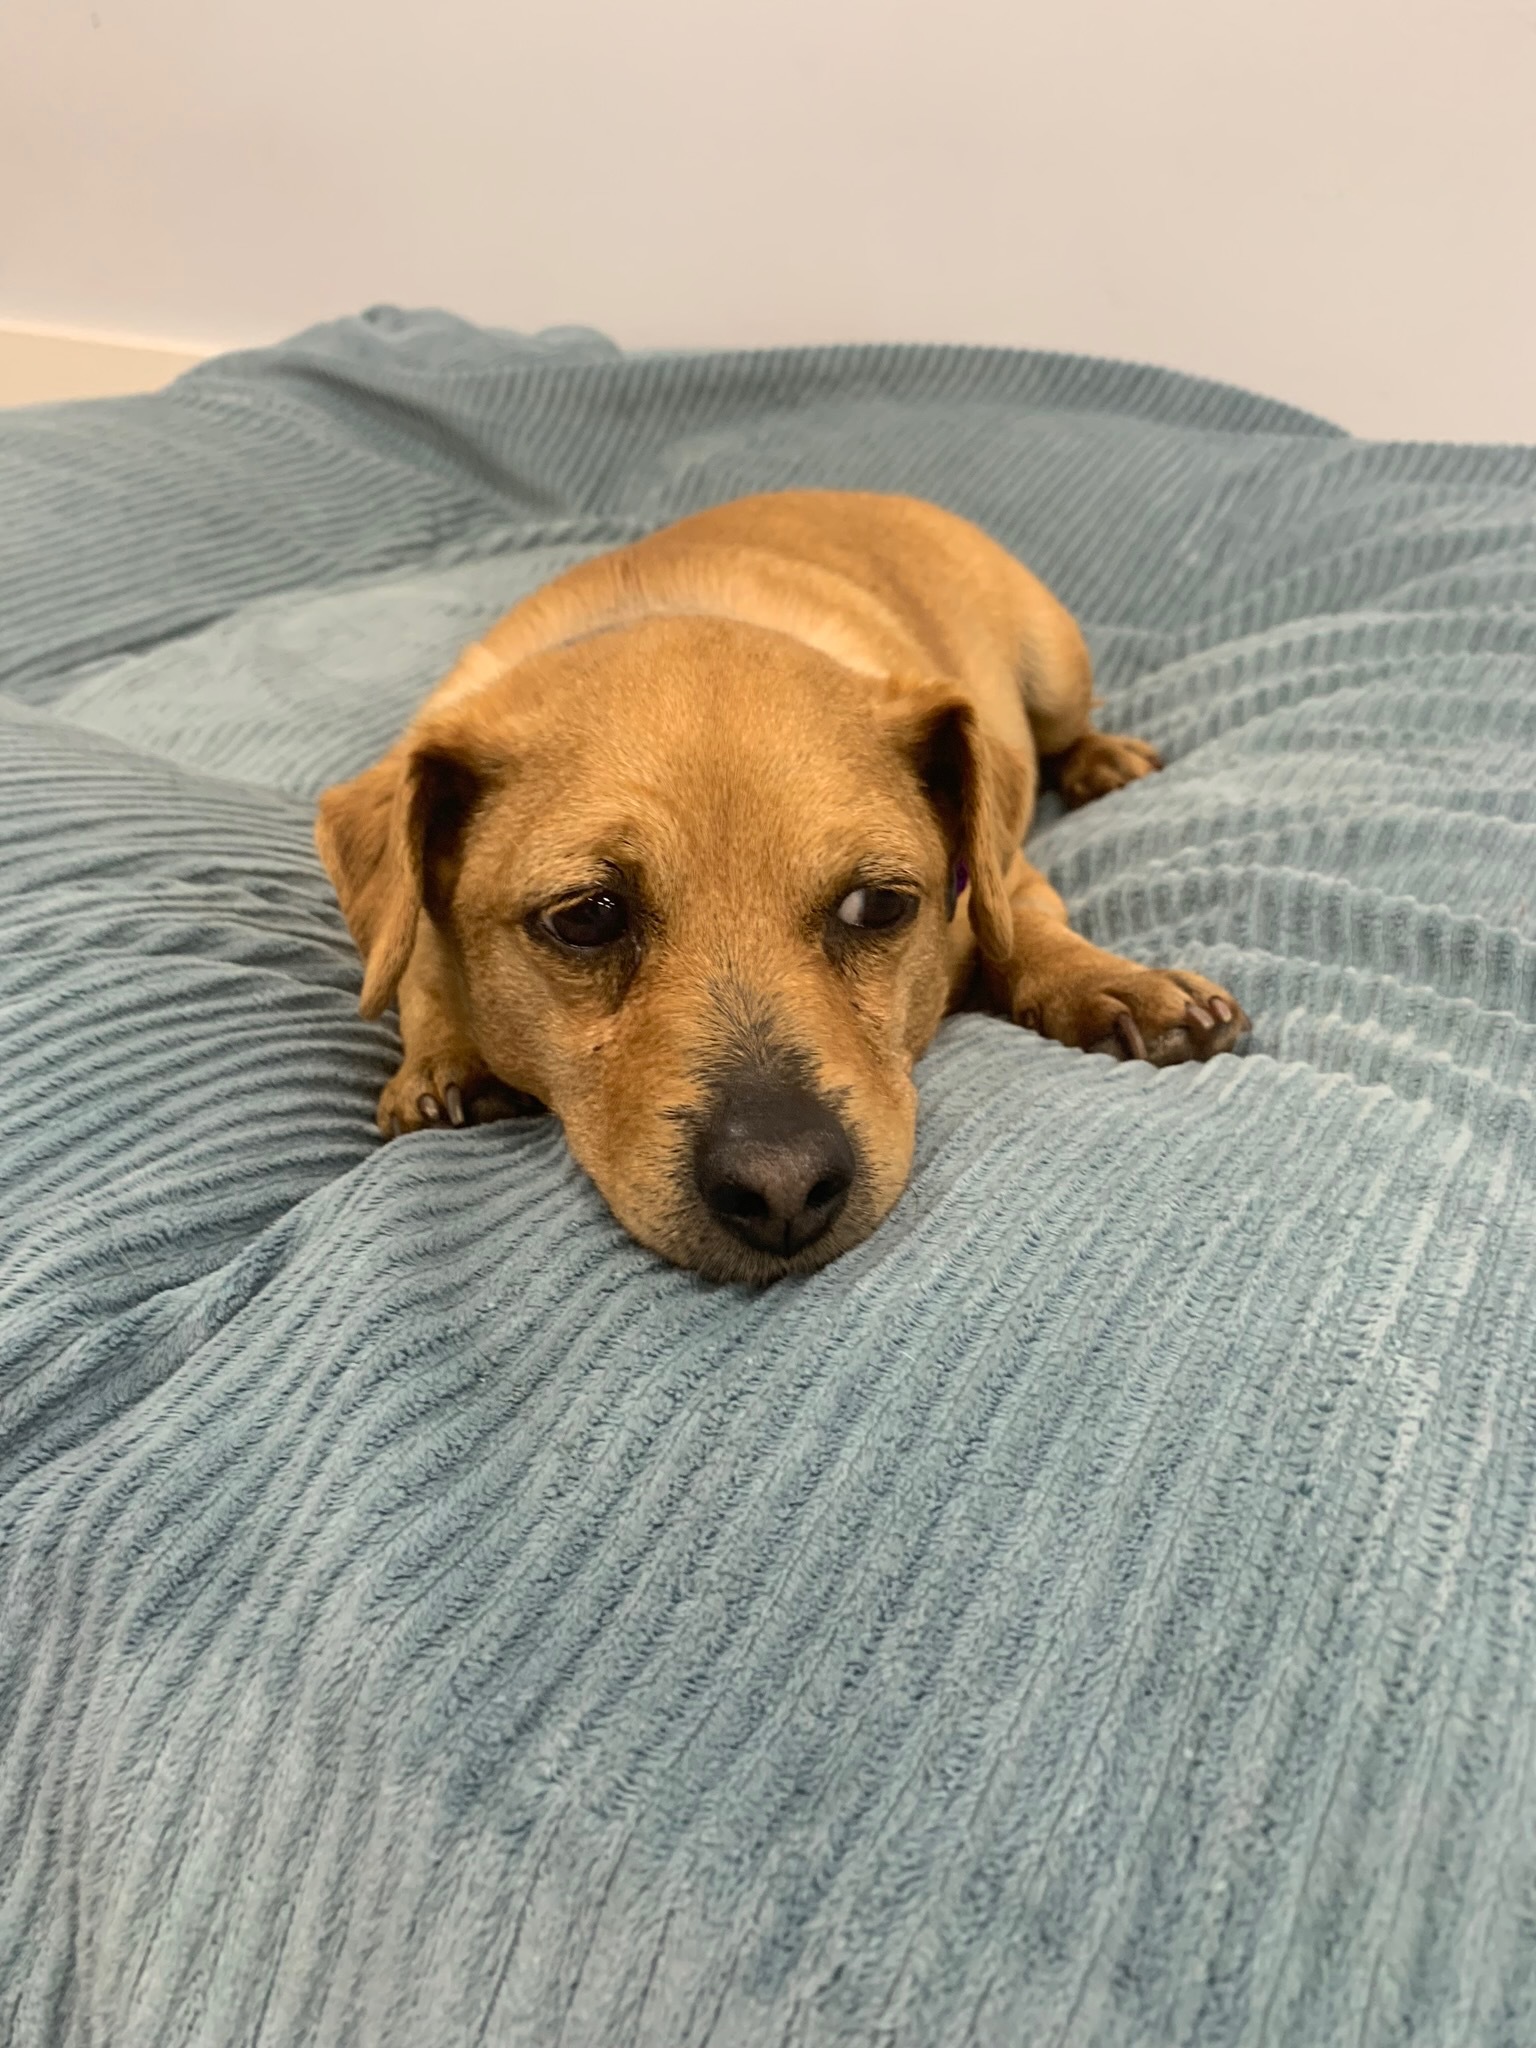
(774, 1166)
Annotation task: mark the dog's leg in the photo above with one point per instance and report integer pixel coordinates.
(1057, 983)
(442, 1079)
(1056, 684)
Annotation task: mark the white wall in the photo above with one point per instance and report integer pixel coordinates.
(1330, 200)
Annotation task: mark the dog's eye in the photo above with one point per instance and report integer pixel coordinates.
(877, 910)
(589, 922)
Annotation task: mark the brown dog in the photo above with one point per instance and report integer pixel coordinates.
(699, 844)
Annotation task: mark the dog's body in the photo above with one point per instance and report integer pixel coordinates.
(698, 845)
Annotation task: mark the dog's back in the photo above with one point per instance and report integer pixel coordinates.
(888, 586)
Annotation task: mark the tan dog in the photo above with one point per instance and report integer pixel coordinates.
(699, 844)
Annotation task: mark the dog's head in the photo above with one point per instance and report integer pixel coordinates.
(700, 884)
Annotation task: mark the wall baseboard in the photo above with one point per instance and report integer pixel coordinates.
(39, 366)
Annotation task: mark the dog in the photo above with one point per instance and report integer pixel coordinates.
(699, 844)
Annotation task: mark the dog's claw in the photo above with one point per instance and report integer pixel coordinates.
(1198, 1015)
(1129, 1034)
(1221, 1010)
(443, 1105)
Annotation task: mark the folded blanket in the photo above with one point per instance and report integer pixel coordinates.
(1096, 1611)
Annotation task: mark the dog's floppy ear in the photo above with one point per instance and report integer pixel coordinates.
(979, 786)
(390, 840)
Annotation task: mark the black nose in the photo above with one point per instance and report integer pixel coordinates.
(774, 1165)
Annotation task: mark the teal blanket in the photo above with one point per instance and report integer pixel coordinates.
(1099, 1610)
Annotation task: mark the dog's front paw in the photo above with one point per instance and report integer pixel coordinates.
(1164, 1015)
(447, 1091)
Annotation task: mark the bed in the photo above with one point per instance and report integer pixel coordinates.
(1099, 1610)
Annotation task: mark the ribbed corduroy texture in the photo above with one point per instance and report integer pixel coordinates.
(1098, 1611)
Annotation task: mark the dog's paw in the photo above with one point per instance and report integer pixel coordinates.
(1164, 1015)
(444, 1093)
(1101, 762)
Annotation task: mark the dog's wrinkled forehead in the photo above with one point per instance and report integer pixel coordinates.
(713, 761)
